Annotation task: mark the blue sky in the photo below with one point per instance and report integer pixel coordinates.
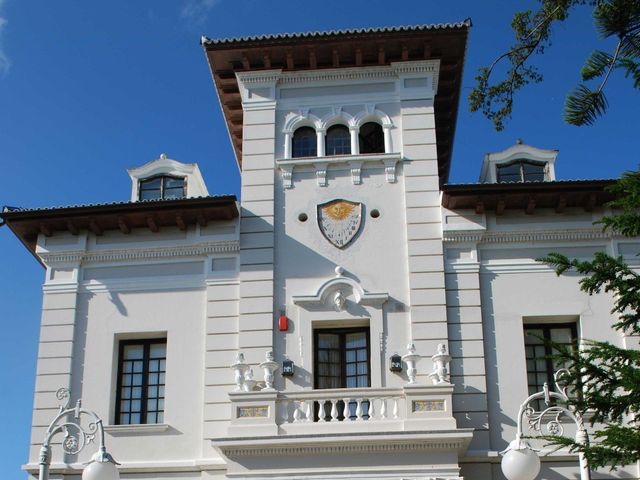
(88, 89)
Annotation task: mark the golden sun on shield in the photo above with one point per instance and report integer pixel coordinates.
(339, 210)
(339, 221)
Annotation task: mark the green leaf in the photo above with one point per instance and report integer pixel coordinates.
(596, 65)
(583, 106)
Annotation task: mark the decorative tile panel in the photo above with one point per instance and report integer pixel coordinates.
(428, 406)
(261, 411)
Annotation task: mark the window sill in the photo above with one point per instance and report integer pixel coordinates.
(135, 429)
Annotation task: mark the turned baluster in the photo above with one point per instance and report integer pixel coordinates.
(371, 410)
(309, 411)
(358, 409)
(334, 411)
(395, 408)
(345, 411)
(321, 413)
(383, 409)
(296, 412)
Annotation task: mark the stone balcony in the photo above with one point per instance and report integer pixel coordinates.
(368, 430)
(411, 408)
(375, 431)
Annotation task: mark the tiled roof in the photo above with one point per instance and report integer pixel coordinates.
(9, 209)
(328, 33)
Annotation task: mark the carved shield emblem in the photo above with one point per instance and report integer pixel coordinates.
(340, 221)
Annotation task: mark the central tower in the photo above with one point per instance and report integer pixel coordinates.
(344, 139)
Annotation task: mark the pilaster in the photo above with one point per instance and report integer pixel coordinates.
(256, 310)
(424, 230)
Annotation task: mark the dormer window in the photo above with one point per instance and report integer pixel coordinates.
(162, 187)
(521, 171)
(338, 141)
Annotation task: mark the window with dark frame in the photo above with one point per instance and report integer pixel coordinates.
(539, 351)
(141, 381)
(338, 141)
(304, 143)
(521, 171)
(342, 360)
(371, 138)
(162, 187)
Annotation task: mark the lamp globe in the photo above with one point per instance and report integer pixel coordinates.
(101, 471)
(520, 464)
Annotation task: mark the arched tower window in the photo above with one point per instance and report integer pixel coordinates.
(521, 171)
(371, 138)
(304, 143)
(338, 141)
(162, 187)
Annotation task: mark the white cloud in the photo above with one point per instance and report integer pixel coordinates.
(196, 10)
(4, 60)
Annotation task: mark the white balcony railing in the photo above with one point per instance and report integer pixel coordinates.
(339, 405)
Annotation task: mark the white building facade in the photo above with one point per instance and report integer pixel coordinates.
(354, 315)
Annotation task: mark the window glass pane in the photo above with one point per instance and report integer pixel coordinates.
(338, 141)
(151, 184)
(173, 193)
(371, 138)
(533, 172)
(135, 418)
(172, 182)
(304, 143)
(356, 340)
(561, 335)
(328, 341)
(509, 173)
(158, 350)
(533, 336)
(132, 352)
(150, 195)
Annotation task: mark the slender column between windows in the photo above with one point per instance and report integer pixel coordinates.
(355, 146)
(287, 145)
(320, 144)
(386, 129)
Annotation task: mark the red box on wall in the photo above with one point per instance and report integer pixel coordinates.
(283, 323)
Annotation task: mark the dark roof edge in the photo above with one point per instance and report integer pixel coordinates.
(518, 186)
(15, 214)
(205, 41)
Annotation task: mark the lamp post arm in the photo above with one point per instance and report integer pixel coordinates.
(76, 436)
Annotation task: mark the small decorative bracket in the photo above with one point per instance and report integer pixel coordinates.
(287, 175)
(356, 169)
(390, 169)
(321, 173)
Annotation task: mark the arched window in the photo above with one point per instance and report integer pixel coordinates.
(304, 143)
(161, 187)
(521, 171)
(371, 138)
(338, 141)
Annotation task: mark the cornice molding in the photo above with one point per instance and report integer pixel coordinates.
(259, 77)
(154, 253)
(526, 236)
(392, 72)
(340, 448)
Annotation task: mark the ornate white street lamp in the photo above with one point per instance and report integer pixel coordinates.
(76, 437)
(520, 461)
